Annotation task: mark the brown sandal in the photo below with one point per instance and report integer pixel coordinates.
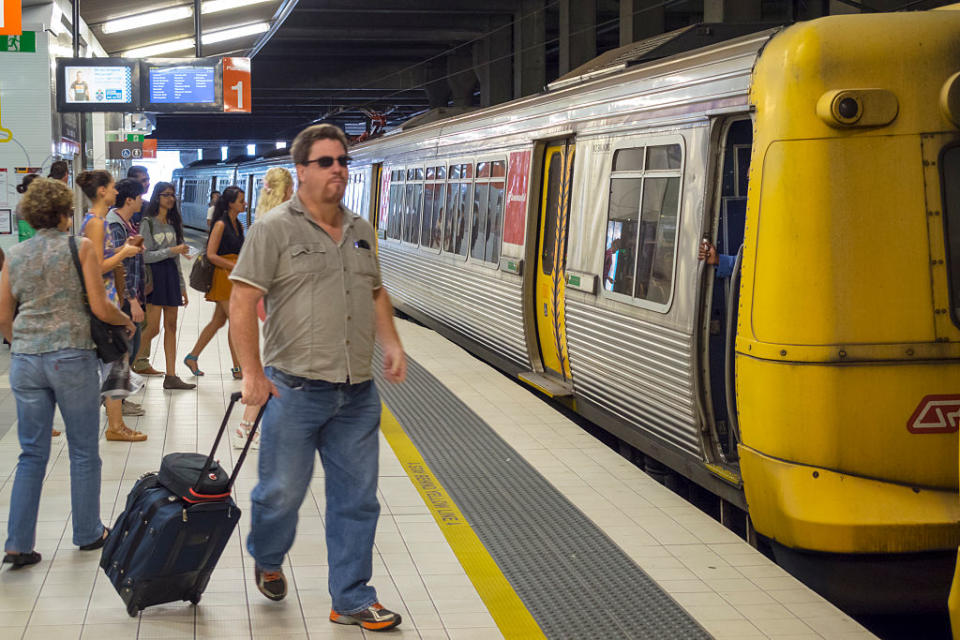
(125, 434)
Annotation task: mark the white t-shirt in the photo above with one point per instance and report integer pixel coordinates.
(209, 214)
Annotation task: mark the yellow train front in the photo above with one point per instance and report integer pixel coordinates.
(848, 342)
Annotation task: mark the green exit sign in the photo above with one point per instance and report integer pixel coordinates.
(134, 137)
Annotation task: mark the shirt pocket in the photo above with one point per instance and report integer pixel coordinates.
(307, 258)
(364, 262)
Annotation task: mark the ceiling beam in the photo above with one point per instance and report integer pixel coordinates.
(379, 35)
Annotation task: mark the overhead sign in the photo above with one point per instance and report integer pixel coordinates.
(125, 150)
(10, 18)
(936, 414)
(237, 92)
(150, 148)
(182, 85)
(98, 84)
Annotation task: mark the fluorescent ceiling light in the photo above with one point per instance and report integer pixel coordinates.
(212, 37)
(162, 47)
(213, 6)
(152, 18)
(235, 32)
(147, 19)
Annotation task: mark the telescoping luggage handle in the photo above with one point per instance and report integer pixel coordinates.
(234, 397)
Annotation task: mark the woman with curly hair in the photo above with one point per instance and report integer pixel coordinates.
(53, 364)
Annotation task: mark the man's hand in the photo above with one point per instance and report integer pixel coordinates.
(708, 253)
(394, 363)
(257, 388)
(186, 300)
(136, 311)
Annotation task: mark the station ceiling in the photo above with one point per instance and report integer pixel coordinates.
(344, 61)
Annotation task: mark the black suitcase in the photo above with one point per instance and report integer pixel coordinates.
(163, 548)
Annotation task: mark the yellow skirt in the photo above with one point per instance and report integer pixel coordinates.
(221, 287)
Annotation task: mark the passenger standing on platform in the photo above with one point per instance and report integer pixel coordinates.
(53, 363)
(223, 247)
(129, 201)
(24, 230)
(314, 262)
(214, 196)
(277, 189)
(99, 187)
(162, 231)
(140, 174)
(60, 170)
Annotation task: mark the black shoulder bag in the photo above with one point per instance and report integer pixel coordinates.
(111, 339)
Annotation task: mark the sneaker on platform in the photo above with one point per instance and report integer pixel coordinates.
(272, 584)
(173, 382)
(373, 618)
(131, 408)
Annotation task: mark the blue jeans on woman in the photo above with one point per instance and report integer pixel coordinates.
(341, 422)
(70, 379)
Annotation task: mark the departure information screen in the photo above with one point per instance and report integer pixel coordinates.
(95, 84)
(182, 85)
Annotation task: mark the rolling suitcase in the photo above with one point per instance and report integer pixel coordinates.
(176, 523)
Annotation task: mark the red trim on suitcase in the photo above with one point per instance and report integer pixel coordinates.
(205, 497)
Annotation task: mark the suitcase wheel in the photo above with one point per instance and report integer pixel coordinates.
(195, 599)
(133, 609)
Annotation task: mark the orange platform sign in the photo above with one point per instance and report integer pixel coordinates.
(10, 18)
(237, 92)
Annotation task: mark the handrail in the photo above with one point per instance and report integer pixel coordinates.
(732, 300)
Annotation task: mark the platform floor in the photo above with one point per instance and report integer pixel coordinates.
(729, 589)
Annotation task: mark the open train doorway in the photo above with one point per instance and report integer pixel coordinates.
(723, 284)
(550, 281)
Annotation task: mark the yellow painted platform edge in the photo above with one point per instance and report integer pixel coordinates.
(508, 611)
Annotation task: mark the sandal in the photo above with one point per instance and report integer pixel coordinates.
(19, 560)
(125, 434)
(195, 369)
(237, 373)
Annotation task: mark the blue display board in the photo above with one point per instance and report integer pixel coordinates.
(182, 85)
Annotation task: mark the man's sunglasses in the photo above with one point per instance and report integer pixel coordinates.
(325, 162)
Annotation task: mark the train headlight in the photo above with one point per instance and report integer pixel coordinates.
(845, 108)
(950, 99)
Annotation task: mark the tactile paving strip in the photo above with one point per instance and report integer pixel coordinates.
(572, 578)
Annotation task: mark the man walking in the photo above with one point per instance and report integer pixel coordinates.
(313, 262)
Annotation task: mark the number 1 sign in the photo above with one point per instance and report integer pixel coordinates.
(236, 85)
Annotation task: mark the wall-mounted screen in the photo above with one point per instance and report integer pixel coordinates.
(182, 85)
(98, 84)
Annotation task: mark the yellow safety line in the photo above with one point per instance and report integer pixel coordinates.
(503, 603)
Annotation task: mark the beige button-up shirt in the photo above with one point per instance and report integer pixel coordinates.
(318, 293)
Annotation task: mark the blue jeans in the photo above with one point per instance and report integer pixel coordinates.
(70, 379)
(135, 340)
(341, 422)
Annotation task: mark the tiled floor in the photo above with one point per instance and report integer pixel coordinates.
(733, 591)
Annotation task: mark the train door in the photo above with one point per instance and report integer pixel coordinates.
(551, 258)
(722, 294)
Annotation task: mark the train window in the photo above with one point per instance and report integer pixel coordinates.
(498, 169)
(441, 173)
(466, 171)
(550, 223)
(431, 173)
(628, 159)
(479, 219)
(642, 224)
(455, 225)
(950, 180)
(658, 235)
(454, 172)
(411, 174)
(483, 169)
(432, 229)
(394, 211)
(663, 157)
(494, 230)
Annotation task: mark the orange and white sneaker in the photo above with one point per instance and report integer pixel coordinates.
(373, 618)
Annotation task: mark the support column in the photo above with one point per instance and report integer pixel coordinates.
(186, 157)
(578, 33)
(529, 51)
(210, 153)
(640, 19)
(462, 78)
(732, 11)
(236, 151)
(492, 62)
(436, 87)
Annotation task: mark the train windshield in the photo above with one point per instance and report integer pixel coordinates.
(950, 178)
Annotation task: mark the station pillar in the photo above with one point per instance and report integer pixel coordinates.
(732, 11)
(529, 51)
(640, 19)
(493, 64)
(462, 79)
(578, 33)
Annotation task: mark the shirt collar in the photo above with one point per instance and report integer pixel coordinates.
(296, 206)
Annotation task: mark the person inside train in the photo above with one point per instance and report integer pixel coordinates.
(162, 231)
(323, 365)
(60, 170)
(723, 263)
(140, 174)
(214, 196)
(223, 247)
(53, 364)
(99, 187)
